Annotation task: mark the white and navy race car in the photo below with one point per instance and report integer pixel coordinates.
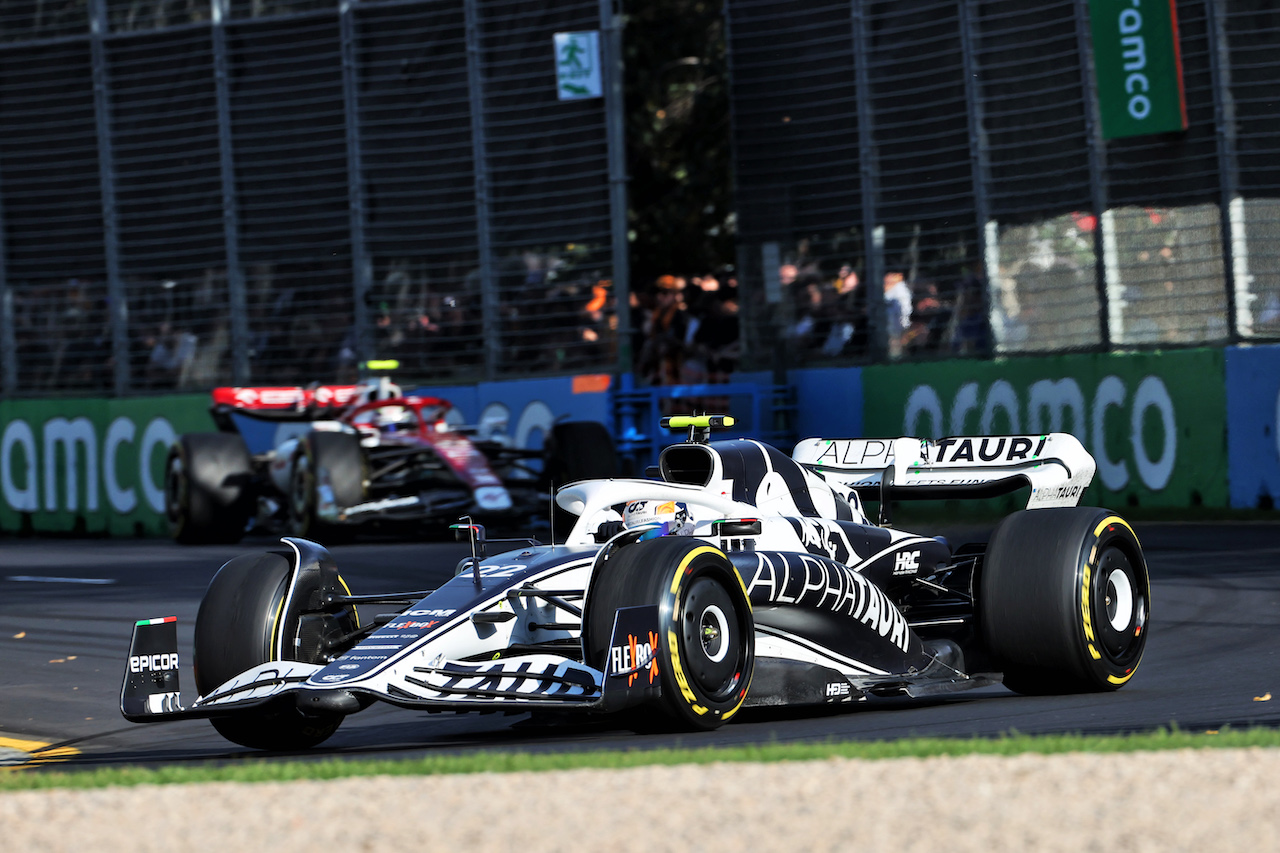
(737, 577)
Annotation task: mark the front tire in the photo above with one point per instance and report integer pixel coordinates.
(706, 631)
(208, 491)
(325, 460)
(236, 630)
(1065, 600)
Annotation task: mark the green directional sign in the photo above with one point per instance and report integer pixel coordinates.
(578, 65)
(1138, 67)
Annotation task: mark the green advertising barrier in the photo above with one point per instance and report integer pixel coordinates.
(1155, 422)
(91, 466)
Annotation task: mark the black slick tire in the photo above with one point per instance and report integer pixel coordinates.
(208, 488)
(706, 630)
(332, 459)
(573, 451)
(1064, 600)
(236, 629)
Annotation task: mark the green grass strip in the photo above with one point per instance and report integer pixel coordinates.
(255, 769)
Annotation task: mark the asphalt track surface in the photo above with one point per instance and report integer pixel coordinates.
(67, 608)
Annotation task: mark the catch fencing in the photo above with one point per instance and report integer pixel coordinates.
(956, 144)
(271, 191)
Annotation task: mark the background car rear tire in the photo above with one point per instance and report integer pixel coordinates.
(340, 454)
(208, 489)
(707, 634)
(236, 630)
(1065, 600)
(576, 450)
(579, 450)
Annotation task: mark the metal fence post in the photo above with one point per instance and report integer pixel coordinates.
(1235, 245)
(119, 308)
(612, 22)
(362, 266)
(489, 304)
(238, 303)
(1104, 243)
(8, 336)
(869, 170)
(979, 157)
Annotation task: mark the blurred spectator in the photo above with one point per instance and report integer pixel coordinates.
(662, 354)
(897, 301)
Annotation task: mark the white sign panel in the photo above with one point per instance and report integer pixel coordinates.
(578, 65)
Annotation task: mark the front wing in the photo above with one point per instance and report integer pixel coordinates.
(151, 689)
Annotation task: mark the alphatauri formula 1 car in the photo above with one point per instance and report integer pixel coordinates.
(739, 577)
(323, 462)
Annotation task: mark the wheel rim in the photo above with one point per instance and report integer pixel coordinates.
(712, 636)
(1119, 600)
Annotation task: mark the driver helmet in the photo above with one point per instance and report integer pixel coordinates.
(391, 418)
(667, 518)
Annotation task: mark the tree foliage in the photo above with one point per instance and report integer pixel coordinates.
(677, 103)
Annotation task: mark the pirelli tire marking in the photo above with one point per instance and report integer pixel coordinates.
(1119, 592)
(683, 570)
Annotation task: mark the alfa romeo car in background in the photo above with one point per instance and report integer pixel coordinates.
(321, 462)
(739, 577)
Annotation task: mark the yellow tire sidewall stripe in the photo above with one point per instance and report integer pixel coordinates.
(673, 641)
(1084, 594)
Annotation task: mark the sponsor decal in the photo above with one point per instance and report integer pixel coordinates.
(1061, 491)
(364, 648)
(334, 677)
(350, 666)
(363, 657)
(823, 537)
(1000, 450)
(437, 612)
(502, 571)
(153, 663)
(906, 563)
(1049, 405)
(838, 689)
(29, 468)
(868, 453)
(411, 624)
(810, 581)
(635, 657)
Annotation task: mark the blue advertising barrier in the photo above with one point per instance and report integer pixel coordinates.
(1253, 426)
(760, 410)
(828, 402)
(529, 407)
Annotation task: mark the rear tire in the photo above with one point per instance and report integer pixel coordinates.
(706, 649)
(340, 456)
(236, 630)
(1064, 600)
(208, 491)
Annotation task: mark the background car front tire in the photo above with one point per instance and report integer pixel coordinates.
(1065, 600)
(340, 456)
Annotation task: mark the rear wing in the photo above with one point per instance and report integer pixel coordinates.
(1056, 466)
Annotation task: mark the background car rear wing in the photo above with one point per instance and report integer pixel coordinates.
(1056, 466)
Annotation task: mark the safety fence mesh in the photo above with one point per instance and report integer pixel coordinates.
(920, 179)
(270, 191)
